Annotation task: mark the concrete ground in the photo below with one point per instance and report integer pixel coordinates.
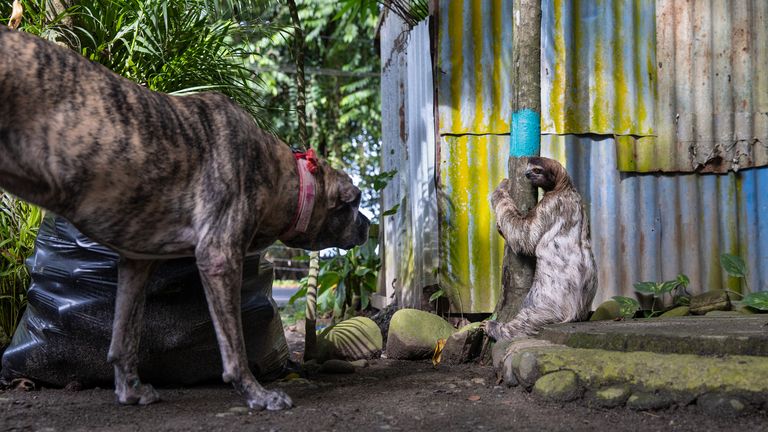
(719, 364)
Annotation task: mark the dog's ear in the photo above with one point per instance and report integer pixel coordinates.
(344, 192)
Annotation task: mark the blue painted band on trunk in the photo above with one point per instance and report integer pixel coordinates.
(525, 139)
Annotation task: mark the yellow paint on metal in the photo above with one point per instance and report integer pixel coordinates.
(471, 248)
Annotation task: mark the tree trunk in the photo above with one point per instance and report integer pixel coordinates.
(517, 271)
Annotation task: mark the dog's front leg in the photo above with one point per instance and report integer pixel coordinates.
(132, 277)
(221, 272)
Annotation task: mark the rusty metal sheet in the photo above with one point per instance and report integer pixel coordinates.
(651, 227)
(409, 246)
(712, 106)
(474, 43)
(471, 250)
(598, 67)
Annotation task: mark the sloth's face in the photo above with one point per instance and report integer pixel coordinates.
(539, 176)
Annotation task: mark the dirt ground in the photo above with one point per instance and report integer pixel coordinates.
(386, 395)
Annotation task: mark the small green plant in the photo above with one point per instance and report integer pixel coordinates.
(19, 222)
(345, 281)
(736, 267)
(659, 289)
(627, 306)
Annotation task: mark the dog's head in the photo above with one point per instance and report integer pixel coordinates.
(336, 219)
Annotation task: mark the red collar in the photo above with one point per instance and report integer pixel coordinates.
(306, 166)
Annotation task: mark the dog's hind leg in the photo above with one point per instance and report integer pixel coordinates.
(221, 271)
(132, 277)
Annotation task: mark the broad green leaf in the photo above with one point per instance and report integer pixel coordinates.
(683, 280)
(364, 299)
(646, 287)
(666, 287)
(436, 295)
(757, 300)
(734, 265)
(299, 294)
(391, 211)
(627, 305)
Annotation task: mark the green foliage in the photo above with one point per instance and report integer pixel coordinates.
(19, 222)
(343, 87)
(173, 46)
(757, 300)
(659, 289)
(345, 281)
(627, 306)
(735, 266)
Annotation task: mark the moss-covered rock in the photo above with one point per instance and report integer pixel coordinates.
(560, 386)
(719, 313)
(464, 345)
(722, 404)
(676, 312)
(647, 401)
(413, 334)
(611, 396)
(607, 311)
(352, 339)
(710, 301)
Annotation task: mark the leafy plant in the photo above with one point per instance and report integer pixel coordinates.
(19, 223)
(627, 306)
(735, 266)
(757, 300)
(345, 281)
(173, 46)
(659, 289)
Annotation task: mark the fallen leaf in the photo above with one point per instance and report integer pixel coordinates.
(474, 398)
(436, 357)
(16, 14)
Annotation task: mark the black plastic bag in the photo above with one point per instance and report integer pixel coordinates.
(65, 331)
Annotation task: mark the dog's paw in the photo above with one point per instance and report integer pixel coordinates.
(138, 393)
(272, 400)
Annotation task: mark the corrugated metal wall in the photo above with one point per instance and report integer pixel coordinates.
(598, 67)
(712, 107)
(410, 236)
(651, 227)
(644, 226)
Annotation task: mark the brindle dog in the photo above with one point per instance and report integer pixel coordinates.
(154, 177)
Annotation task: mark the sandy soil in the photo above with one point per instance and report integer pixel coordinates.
(386, 395)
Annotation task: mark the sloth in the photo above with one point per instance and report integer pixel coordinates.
(556, 232)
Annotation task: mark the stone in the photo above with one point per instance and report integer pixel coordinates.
(560, 386)
(499, 353)
(508, 374)
(608, 310)
(352, 339)
(710, 301)
(360, 363)
(413, 334)
(647, 401)
(721, 404)
(719, 313)
(611, 396)
(463, 346)
(335, 366)
(527, 368)
(676, 312)
(238, 410)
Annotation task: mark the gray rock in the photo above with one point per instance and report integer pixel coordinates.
(238, 410)
(360, 363)
(720, 313)
(643, 401)
(611, 396)
(560, 386)
(413, 334)
(709, 301)
(463, 346)
(527, 368)
(508, 373)
(335, 366)
(720, 404)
